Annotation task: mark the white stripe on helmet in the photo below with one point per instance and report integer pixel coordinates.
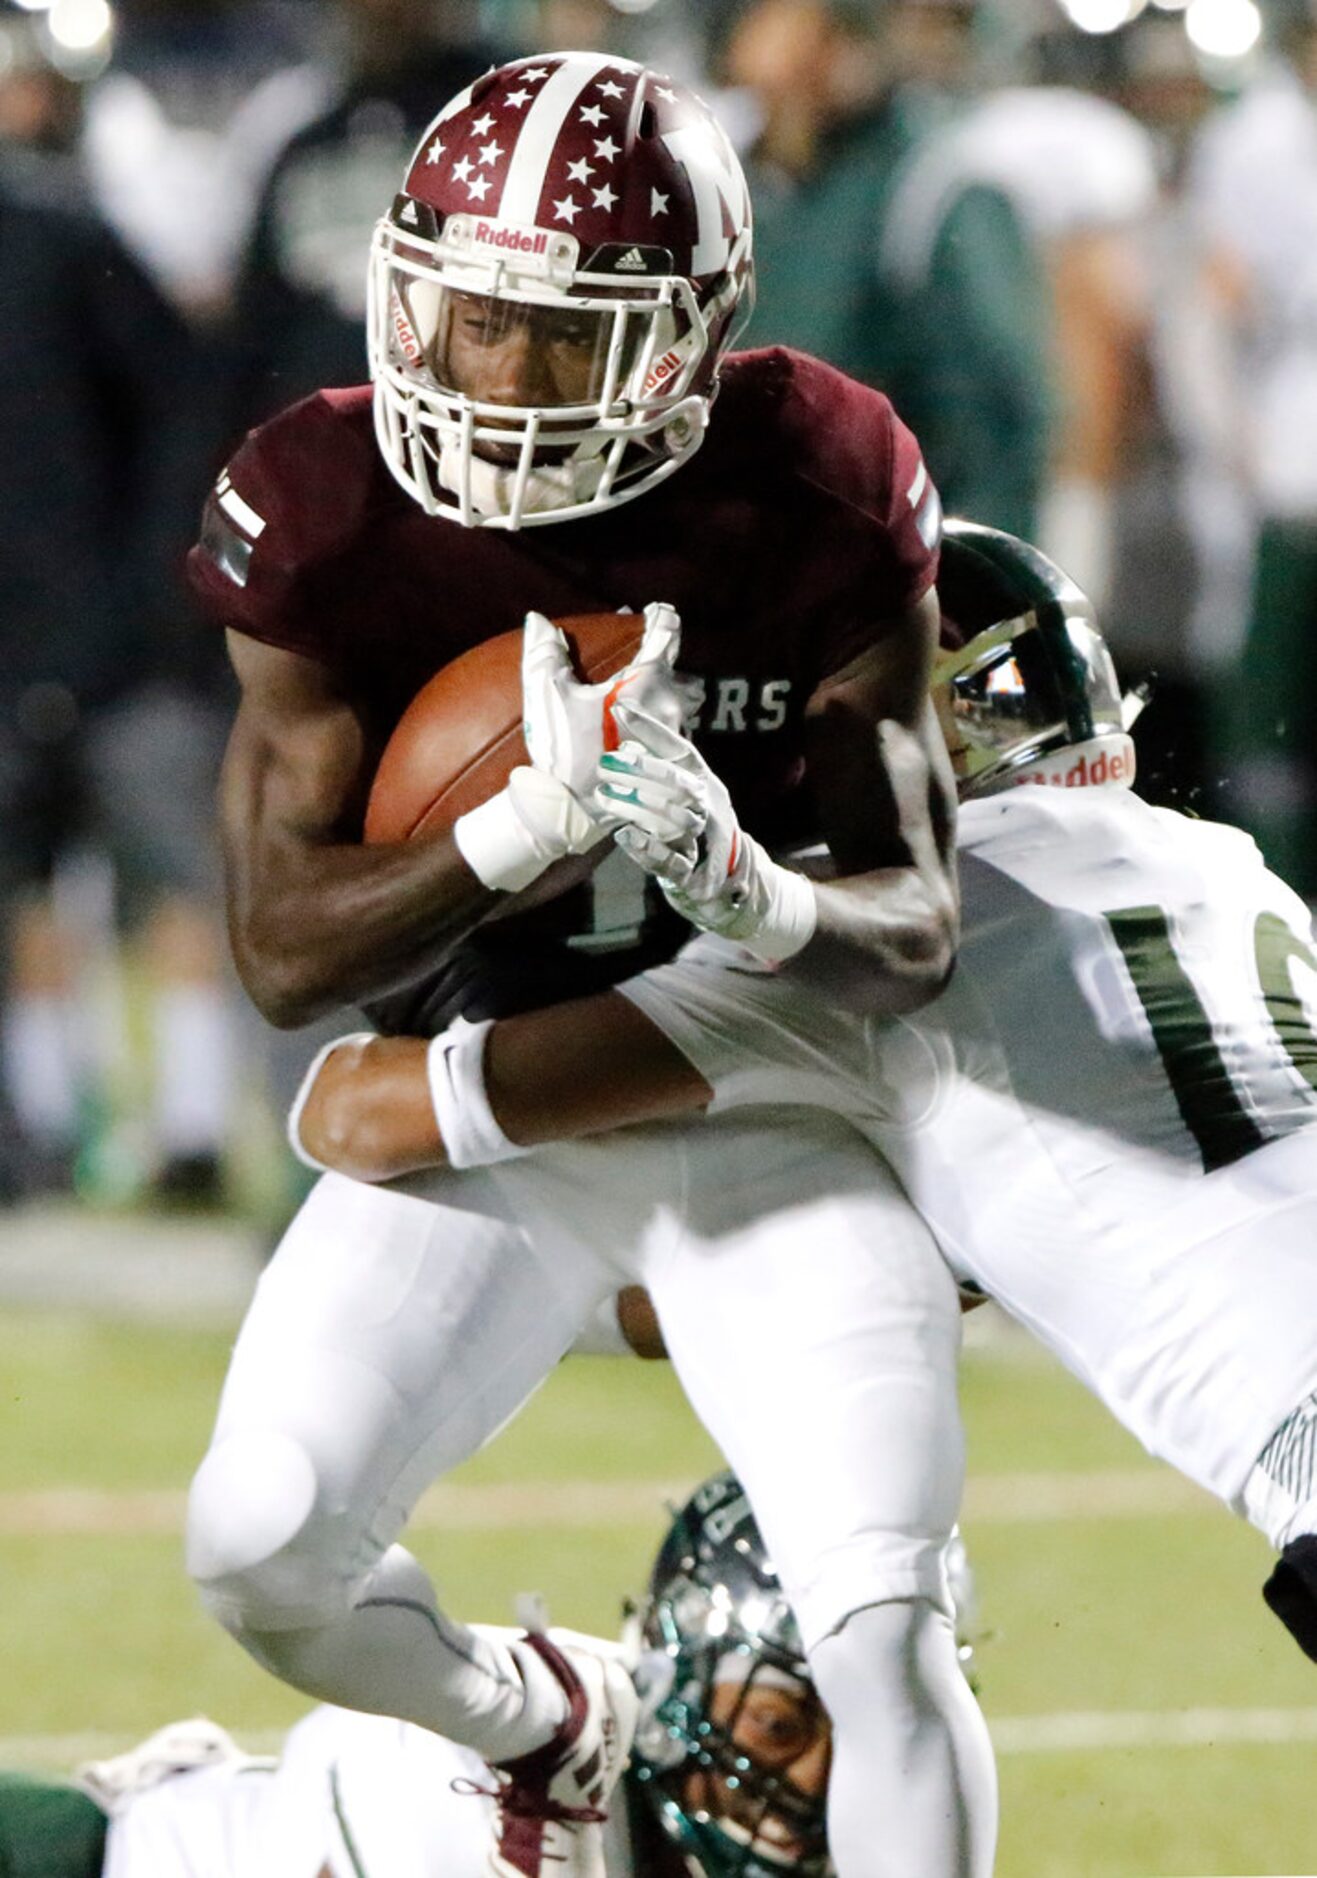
(524, 183)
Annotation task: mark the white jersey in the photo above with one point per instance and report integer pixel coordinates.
(1105, 1119)
(357, 1796)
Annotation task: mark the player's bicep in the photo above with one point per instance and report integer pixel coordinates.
(298, 761)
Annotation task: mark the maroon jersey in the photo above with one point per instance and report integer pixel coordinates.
(805, 518)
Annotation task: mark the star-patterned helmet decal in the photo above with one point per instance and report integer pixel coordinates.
(569, 176)
(560, 143)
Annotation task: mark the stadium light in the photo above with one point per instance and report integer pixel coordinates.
(1102, 16)
(80, 26)
(1223, 29)
(79, 35)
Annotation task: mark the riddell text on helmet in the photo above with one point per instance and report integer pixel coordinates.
(505, 235)
(1108, 766)
(662, 370)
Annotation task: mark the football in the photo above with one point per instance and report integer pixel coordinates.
(460, 737)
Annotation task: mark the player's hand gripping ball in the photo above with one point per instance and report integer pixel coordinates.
(458, 758)
(676, 819)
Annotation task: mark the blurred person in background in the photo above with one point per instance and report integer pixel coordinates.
(40, 106)
(300, 305)
(957, 336)
(109, 742)
(1254, 186)
(1179, 534)
(937, 45)
(197, 100)
(1089, 142)
(1079, 173)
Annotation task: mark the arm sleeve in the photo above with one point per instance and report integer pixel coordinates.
(755, 1036)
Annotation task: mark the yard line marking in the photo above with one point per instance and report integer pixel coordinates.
(1085, 1731)
(495, 1507)
(995, 1499)
(1077, 1731)
(1113, 1493)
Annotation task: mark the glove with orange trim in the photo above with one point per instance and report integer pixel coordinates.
(547, 810)
(678, 823)
(568, 725)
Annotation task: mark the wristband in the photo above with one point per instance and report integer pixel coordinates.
(497, 846)
(783, 923)
(304, 1154)
(455, 1065)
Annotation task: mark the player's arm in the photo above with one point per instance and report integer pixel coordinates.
(884, 929)
(371, 1106)
(317, 919)
(885, 797)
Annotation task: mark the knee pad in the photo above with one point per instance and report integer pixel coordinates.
(1291, 1591)
(252, 1501)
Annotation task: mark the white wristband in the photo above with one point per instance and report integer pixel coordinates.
(498, 847)
(295, 1142)
(455, 1064)
(784, 925)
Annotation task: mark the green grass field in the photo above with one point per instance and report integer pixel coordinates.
(1150, 1716)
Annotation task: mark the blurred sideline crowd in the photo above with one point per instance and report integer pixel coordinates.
(1082, 263)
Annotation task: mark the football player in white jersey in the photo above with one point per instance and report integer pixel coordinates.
(727, 1775)
(1107, 1117)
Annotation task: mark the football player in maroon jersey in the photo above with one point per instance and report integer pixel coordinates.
(552, 298)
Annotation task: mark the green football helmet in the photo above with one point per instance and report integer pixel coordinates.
(718, 1658)
(715, 1632)
(1032, 694)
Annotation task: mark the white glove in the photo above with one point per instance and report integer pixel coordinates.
(678, 823)
(545, 811)
(568, 725)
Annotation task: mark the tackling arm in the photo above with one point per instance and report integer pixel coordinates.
(576, 1069)
(552, 1075)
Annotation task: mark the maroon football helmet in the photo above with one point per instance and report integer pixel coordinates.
(551, 293)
